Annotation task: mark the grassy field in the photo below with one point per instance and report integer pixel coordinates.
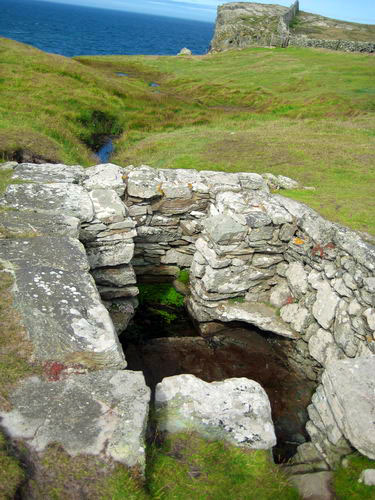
(308, 114)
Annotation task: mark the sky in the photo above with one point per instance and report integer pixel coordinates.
(360, 11)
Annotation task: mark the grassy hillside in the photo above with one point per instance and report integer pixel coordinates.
(305, 113)
(314, 26)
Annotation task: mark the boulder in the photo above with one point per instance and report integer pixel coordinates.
(349, 387)
(99, 413)
(367, 477)
(236, 410)
(185, 52)
(48, 172)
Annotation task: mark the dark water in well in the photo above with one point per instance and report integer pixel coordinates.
(72, 30)
(105, 152)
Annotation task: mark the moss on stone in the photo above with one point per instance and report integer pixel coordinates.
(160, 293)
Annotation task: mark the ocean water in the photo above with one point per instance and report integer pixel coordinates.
(72, 30)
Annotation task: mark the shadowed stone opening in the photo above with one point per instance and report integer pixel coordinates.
(234, 349)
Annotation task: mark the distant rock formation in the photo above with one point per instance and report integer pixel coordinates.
(247, 24)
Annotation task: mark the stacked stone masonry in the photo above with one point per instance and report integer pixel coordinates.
(253, 256)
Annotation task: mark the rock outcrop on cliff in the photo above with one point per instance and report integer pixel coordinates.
(246, 24)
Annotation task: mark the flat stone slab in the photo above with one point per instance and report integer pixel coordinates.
(23, 224)
(236, 410)
(59, 304)
(54, 198)
(99, 413)
(48, 172)
(254, 313)
(349, 386)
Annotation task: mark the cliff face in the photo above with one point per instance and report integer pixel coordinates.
(242, 24)
(245, 24)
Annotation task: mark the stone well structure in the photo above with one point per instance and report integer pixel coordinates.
(253, 256)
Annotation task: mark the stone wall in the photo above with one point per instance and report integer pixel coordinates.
(343, 45)
(254, 257)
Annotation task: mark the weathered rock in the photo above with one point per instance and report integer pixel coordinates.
(235, 410)
(280, 295)
(349, 386)
(108, 207)
(59, 304)
(297, 279)
(27, 224)
(109, 254)
(55, 198)
(48, 172)
(144, 182)
(175, 257)
(324, 308)
(322, 347)
(115, 276)
(367, 477)
(224, 230)
(100, 413)
(105, 176)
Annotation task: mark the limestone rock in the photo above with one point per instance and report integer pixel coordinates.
(297, 279)
(100, 413)
(324, 308)
(349, 386)
(110, 254)
(115, 276)
(223, 229)
(26, 224)
(280, 295)
(105, 176)
(59, 304)
(144, 182)
(322, 347)
(54, 198)
(108, 207)
(48, 172)
(235, 410)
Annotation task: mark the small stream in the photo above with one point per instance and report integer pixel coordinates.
(105, 152)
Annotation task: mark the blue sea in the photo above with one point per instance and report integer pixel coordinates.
(72, 30)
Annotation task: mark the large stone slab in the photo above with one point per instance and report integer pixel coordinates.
(54, 198)
(59, 304)
(349, 386)
(100, 413)
(114, 253)
(23, 224)
(257, 314)
(236, 410)
(48, 172)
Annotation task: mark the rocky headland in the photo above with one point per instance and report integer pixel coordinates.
(246, 24)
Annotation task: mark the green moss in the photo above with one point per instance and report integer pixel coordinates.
(167, 316)
(187, 467)
(161, 293)
(11, 473)
(184, 276)
(346, 483)
(237, 300)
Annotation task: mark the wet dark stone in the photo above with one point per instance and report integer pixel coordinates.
(234, 352)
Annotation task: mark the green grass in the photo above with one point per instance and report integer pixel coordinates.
(187, 467)
(160, 293)
(308, 114)
(184, 277)
(11, 473)
(346, 484)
